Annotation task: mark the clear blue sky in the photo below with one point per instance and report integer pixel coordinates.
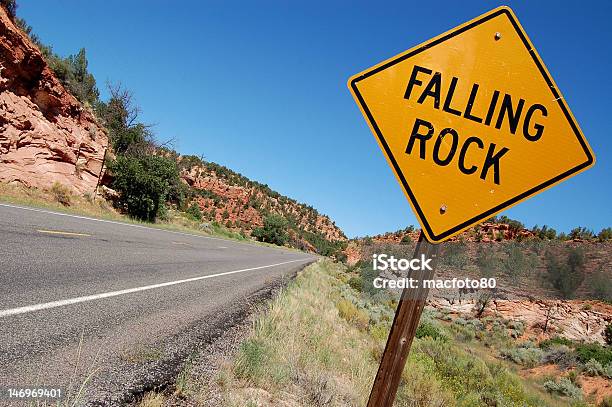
(261, 88)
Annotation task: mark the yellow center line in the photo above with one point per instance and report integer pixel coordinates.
(59, 232)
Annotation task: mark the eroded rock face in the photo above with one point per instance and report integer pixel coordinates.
(573, 319)
(46, 135)
(242, 207)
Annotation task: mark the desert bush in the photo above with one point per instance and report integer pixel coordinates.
(563, 387)
(608, 371)
(593, 368)
(524, 355)
(516, 328)
(61, 193)
(464, 333)
(560, 355)
(421, 388)
(471, 379)
(273, 231)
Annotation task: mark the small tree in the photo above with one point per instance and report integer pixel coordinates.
(143, 183)
(552, 309)
(194, 211)
(11, 7)
(581, 233)
(273, 231)
(608, 334)
(484, 298)
(605, 234)
(566, 276)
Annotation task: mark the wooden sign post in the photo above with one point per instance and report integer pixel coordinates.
(405, 323)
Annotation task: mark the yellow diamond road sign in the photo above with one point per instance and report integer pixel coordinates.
(471, 123)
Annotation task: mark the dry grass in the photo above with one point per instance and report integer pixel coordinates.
(301, 352)
(58, 198)
(152, 400)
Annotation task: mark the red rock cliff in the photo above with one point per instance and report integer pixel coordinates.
(46, 135)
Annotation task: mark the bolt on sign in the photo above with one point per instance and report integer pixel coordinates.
(471, 122)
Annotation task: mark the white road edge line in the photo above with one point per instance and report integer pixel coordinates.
(76, 300)
(114, 222)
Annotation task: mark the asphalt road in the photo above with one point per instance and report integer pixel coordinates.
(117, 307)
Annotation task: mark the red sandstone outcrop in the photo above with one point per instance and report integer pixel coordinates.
(242, 206)
(574, 319)
(46, 135)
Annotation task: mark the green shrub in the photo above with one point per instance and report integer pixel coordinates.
(605, 234)
(516, 328)
(61, 193)
(608, 334)
(556, 340)
(430, 329)
(356, 283)
(273, 231)
(142, 183)
(566, 276)
(406, 239)
(473, 381)
(563, 387)
(464, 333)
(194, 211)
(594, 351)
(593, 368)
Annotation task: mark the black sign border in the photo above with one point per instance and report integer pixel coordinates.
(552, 87)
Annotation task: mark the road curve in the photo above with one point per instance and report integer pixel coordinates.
(114, 305)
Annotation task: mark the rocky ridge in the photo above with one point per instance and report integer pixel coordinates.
(46, 135)
(241, 204)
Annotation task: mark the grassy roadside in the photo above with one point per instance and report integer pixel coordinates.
(60, 200)
(319, 343)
